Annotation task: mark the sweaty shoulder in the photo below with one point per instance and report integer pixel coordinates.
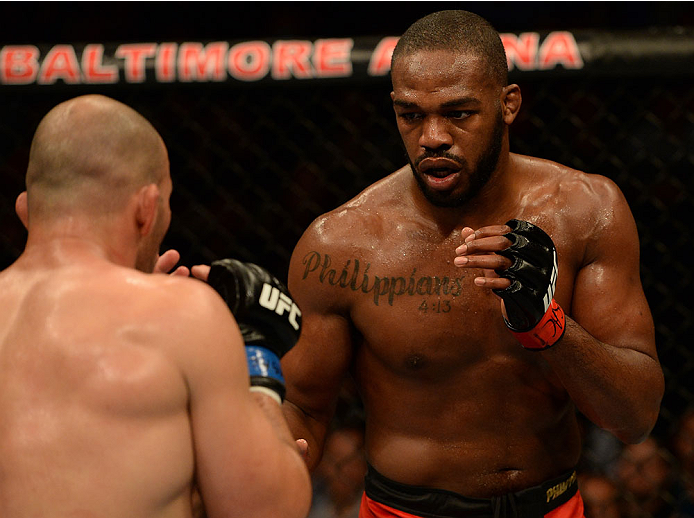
(573, 194)
(353, 230)
(361, 219)
(184, 294)
(586, 207)
(176, 301)
(192, 322)
(544, 181)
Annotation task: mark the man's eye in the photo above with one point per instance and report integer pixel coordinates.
(410, 116)
(458, 114)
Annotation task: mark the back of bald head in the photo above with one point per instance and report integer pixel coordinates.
(456, 31)
(89, 154)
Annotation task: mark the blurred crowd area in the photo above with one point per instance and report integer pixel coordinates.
(652, 479)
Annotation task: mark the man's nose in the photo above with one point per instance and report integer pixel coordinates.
(435, 133)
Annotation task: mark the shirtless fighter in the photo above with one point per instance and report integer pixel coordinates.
(443, 312)
(121, 390)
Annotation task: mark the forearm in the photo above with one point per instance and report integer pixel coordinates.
(289, 482)
(304, 426)
(274, 414)
(617, 388)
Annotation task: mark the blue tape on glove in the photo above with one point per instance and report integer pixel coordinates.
(263, 363)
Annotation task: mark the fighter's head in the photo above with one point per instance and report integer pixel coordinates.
(460, 32)
(95, 159)
(453, 103)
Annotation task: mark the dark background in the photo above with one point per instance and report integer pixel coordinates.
(54, 22)
(254, 165)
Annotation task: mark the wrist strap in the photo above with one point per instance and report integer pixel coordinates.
(547, 332)
(262, 362)
(265, 370)
(268, 392)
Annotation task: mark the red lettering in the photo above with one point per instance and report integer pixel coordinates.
(331, 58)
(19, 65)
(291, 57)
(60, 63)
(134, 55)
(165, 62)
(521, 50)
(196, 63)
(249, 61)
(560, 48)
(379, 64)
(93, 68)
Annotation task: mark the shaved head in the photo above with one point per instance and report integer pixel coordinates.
(89, 154)
(456, 31)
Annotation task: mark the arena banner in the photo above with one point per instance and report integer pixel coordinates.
(588, 52)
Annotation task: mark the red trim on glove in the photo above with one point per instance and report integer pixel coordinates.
(547, 332)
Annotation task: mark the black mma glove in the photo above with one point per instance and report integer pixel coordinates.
(532, 314)
(269, 320)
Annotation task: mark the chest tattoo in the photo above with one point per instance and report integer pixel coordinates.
(355, 276)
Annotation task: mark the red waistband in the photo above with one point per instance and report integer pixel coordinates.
(372, 509)
(426, 502)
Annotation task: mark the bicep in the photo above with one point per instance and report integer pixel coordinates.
(315, 368)
(608, 299)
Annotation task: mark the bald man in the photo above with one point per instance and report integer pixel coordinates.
(120, 390)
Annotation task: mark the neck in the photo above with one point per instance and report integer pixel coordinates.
(72, 240)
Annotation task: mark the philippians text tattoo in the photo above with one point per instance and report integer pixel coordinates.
(354, 275)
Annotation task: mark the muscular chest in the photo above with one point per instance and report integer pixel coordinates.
(425, 313)
(413, 309)
(407, 301)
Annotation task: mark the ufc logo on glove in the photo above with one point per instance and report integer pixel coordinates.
(271, 298)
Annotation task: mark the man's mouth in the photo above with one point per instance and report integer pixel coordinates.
(440, 172)
(438, 167)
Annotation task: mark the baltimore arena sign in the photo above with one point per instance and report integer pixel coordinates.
(320, 59)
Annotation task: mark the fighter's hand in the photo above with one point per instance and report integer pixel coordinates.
(166, 262)
(480, 250)
(302, 446)
(200, 271)
(529, 309)
(269, 320)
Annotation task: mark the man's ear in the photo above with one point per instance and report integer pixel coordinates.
(510, 102)
(21, 207)
(147, 208)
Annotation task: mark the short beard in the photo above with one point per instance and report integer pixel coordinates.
(477, 177)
